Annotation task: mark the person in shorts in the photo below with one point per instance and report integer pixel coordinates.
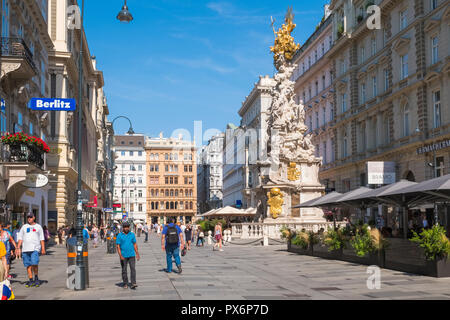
(10, 245)
(31, 243)
(218, 236)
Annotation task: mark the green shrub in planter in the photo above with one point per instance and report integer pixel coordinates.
(362, 242)
(434, 242)
(301, 239)
(335, 239)
(286, 233)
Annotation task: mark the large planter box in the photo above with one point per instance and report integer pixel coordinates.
(349, 255)
(298, 249)
(438, 268)
(321, 251)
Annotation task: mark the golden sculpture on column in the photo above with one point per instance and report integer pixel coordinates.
(284, 42)
(293, 172)
(275, 202)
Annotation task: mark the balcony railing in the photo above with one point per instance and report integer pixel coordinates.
(22, 153)
(16, 47)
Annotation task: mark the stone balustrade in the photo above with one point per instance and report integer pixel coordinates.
(272, 230)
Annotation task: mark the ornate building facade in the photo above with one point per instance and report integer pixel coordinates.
(171, 179)
(25, 47)
(209, 174)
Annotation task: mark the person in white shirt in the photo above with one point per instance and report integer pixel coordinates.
(31, 242)
(183, 227)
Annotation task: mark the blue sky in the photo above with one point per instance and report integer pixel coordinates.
(185, 61)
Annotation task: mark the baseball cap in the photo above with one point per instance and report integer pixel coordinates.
(30, 215)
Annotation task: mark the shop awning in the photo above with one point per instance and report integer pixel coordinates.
(229, 211)
(317, 201)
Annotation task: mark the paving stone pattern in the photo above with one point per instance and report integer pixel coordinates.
(238, 273)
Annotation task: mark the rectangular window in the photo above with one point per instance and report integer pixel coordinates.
(403, 20)
(344, 148)
(140, 207)
(140, 180)
(317, 119)
(325, 152)
(434, 50)
(140, 153)
(122, 153)
(404, 66)
(433, 4)
(363, 93)
(374, 87)
(363, 54)
(131, 153)
(437, 108)
(344, 102)
(439, 166)
(374, 46)
(139, 167)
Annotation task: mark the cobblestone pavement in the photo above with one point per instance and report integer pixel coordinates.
(238, 273)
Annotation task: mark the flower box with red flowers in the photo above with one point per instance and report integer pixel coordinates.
(20, 138)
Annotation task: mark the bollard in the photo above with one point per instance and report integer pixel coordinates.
(72, 258)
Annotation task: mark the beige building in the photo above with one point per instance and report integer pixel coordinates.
(25, 46)
(314, 89)
(171, 179)
(391, 91)
(63, 131)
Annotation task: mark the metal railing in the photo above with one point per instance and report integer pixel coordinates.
(22, 153)
(16, 47)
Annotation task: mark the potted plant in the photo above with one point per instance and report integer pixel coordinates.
(436, 248)
(302, 243)
(368, 245)
(335, 240)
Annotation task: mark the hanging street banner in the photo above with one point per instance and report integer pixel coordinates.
(52, 104)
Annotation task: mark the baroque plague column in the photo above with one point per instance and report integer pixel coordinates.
(290, 176)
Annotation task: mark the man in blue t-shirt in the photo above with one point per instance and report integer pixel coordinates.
(128, 253)
(171, 238)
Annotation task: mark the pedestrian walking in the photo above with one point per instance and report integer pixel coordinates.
(188, 236)
(145, 229)
(95, 234)
(102, 233)
(200, 236)
(46, 235)
(139, 230)
(3, 263)
(128, 253)
(158, 229)
(218, 236)
(9, 243)
(31, 242)
(171, 242)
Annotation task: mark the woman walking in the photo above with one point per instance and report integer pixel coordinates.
(188, 236)
(7, 240)
(200, 236)
(95, 234)
(218, 236)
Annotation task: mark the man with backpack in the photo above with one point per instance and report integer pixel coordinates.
(172, 237)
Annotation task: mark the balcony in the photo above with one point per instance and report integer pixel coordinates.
(22, 153)
(17, 59)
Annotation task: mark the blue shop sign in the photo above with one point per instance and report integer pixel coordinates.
(2, 104)
(52, 104)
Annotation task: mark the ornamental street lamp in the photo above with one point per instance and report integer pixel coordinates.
(124, 15)
(80, 279)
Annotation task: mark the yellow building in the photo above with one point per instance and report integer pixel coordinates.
(171, 179)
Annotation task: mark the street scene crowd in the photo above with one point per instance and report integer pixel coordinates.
(29, 242)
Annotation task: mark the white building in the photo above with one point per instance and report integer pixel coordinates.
(130, 176)
(210, 167)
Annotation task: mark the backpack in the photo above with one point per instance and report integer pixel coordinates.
(172, 235)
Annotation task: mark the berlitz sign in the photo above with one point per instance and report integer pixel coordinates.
(50, 104)
(380, 172)
(35, 181)
(434, 147)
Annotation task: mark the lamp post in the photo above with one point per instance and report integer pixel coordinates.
(80, 279)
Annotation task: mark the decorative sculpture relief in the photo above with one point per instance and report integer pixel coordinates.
(275, 202)
(293, 172)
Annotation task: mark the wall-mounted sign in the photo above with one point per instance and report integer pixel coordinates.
(2, 104)
(52, 104)
(55, 151)
(35, 181)
(434, 147)
(380, 172)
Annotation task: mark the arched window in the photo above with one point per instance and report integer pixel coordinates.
(406, 120)
(152, 193)
(176, 205)
(156, 192)
(186, 192)
(167, 192)
(190, 193)
(190, 205)
(181, 205)
(171, 193)
(186, 205)
(167, 205)
(176, 193)
(162, 192)
(172, 206)
(166, 156)
(156, 205)
(153, 206)
(176, 156)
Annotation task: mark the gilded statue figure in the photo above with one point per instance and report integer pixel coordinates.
(275, 202)
(293, 172)
(284, 42)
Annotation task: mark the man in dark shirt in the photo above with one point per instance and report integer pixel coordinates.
(171, 238)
